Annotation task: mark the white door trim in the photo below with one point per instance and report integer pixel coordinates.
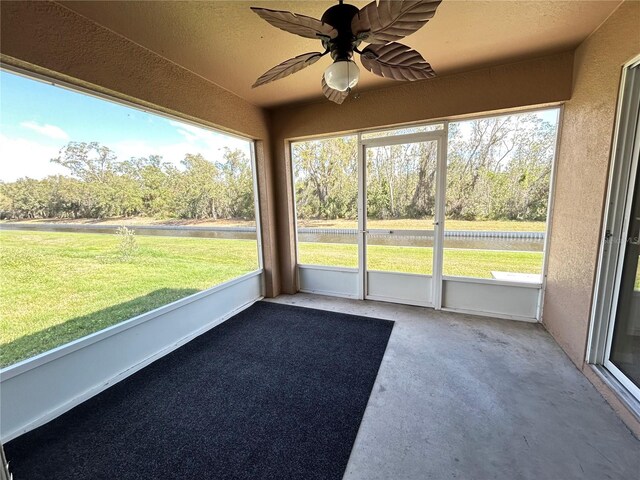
(440, 137)
(439, 218)
(362, 220)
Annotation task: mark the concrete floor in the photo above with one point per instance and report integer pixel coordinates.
(459, 396)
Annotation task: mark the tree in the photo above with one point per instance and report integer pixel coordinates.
(29, 198)
(497, 168)
(197, 189)
(89, 162)
(236, 182)
(108, 191)
(326, 178)
(423, 201)
(153, 179)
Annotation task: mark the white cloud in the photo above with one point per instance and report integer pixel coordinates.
(47, 130)
(208, 140)
(172, 153)
(194, 140)
(20, 157)
(190, 137)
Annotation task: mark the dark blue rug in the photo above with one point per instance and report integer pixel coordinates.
(276, 392)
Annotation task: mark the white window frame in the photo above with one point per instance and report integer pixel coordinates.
(118, 101)
(95, 336)
(292, 187)
(502, 288)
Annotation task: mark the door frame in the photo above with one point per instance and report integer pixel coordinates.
(615, 230)
(440, 136)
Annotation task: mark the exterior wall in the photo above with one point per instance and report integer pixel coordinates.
(49, 39)
(532, 82)
(583, 164)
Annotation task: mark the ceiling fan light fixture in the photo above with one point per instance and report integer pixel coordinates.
(342, 75)
(342, 29)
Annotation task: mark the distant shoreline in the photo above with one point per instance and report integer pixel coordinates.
(409, 224)
(136, 221)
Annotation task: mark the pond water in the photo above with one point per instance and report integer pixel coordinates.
(238, 233)
(510, 241)
(399, 239)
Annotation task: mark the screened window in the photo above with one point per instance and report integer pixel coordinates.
(498, 176)
(498, 180)
(326, 191)
(108, 212)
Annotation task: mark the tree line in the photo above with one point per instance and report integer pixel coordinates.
(497, 169)
(98, 185)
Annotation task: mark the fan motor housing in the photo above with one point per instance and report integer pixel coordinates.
(339, 17)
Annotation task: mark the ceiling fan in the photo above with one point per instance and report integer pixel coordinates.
(342, 29)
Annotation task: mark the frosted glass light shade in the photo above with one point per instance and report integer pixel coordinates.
(342, 75)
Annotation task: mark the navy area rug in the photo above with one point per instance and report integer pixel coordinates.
(276, 392)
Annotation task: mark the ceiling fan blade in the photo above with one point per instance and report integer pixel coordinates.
(396, 61)
(288, 67)
(391, 20)
(335, 96)
(295, 23)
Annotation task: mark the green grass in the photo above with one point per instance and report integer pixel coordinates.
(466, 263)
(57, 287)
(427, 224)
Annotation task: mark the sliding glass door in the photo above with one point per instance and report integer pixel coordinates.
(614, 341)
(624, 344)
(400, 193)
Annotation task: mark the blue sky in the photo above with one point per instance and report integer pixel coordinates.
(37, 119)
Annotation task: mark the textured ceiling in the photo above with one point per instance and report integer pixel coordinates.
(226, 43)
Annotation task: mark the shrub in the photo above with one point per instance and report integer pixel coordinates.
(127, 243)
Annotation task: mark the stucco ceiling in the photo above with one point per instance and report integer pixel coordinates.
(226, 43)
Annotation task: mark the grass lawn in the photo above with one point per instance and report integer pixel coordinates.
(427, 223)
(465, 263)
(57, 287)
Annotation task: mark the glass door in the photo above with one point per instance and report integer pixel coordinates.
(401, 212)
(614, 337)
(624, 341)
